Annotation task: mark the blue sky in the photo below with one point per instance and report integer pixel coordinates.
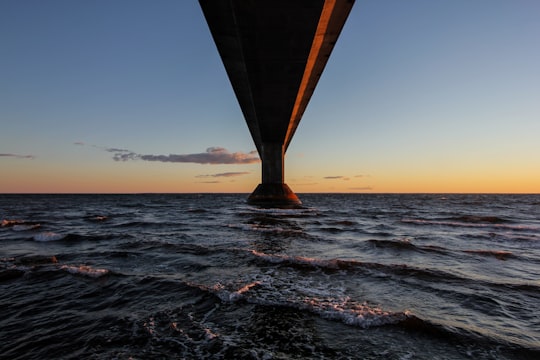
(418, 96)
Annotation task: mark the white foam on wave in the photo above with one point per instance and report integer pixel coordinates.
(235, 295)
(19, 225)
(328, 300)
(349, 312)
(7, 222)
(49, 236)
(84, 270)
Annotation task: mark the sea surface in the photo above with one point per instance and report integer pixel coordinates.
(347, 276)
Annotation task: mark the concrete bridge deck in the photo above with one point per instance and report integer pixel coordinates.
(274, 52)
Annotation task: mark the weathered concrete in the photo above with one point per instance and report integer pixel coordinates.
(274, 52)
(274, 195)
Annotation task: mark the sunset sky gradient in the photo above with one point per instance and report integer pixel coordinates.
(131, 96)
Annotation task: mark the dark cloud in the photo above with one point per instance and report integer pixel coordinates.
(213, 155)
(116, 150)
(17, 156)
(336, 177)
(227, 174)
(123, 155)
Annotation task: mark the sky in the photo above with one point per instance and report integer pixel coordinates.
(130, 96)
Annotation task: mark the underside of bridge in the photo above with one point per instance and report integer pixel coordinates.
(274, 52)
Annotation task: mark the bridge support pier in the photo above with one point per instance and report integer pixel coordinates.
(273, 191)
(274, 52)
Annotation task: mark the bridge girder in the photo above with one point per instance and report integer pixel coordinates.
(274, 52)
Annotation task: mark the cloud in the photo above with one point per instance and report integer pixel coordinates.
(336, 177)
(116, 150)
(213, 155)
(227, 174)
(17, 156)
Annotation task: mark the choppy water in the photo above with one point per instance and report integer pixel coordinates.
(207, 276)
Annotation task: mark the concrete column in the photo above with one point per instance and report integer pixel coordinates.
(272, 163)
(273, 192)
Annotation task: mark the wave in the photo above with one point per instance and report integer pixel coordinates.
(49, 236)
(351, 265)
(7, 223)
(137, 224)
(332, 264)
(182, 248)
(338, 226)
(477, 219)
(14, 267)
(332, 301)
(322, 300)
(405, 244)
(408, 246)
(26, 227)
(474, 222)
(149, 224)
(450, 334)
(34, 260)
(197, 211)
(400, 270)
(524, 237)
(27, 261)
(288, 213)
(480, 344)
(267, 228)
(358, 314)
(22, 226)
(499, 254)
(97, 218)
(19, 225)
(85, 270)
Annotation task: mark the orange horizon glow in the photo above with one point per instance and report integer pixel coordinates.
(100, 184)
(36, 176)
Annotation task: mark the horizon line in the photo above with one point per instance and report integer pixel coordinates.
(247, 193)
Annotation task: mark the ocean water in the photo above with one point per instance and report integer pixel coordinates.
(365, 276)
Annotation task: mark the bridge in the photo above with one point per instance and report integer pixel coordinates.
(274, 52)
